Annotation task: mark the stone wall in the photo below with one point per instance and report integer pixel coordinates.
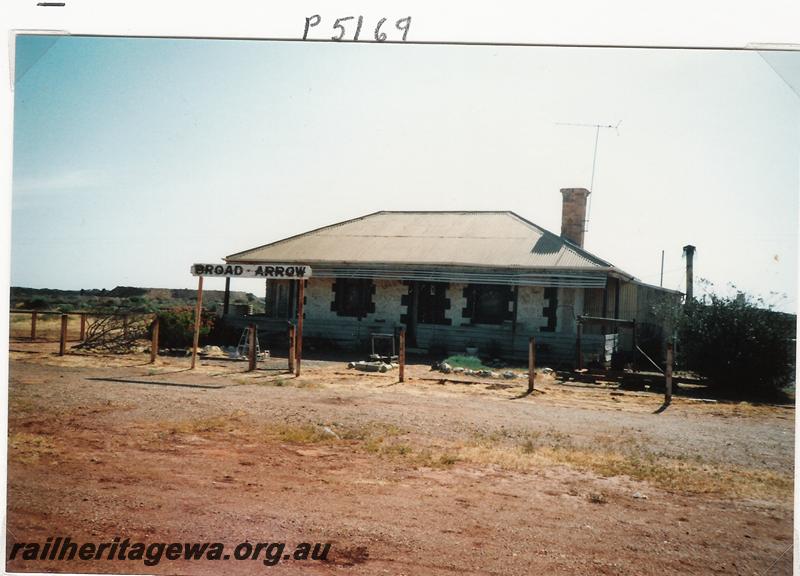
(388, 309)
(506, 338)
(530, 305)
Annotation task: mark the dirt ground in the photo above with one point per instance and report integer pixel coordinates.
(423, 477)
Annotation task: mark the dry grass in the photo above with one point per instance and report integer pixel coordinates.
(379, 438)
(597, 498)
(524, 451)
(520, 450)
(27, 448)
(223, 423)
(281, 382)
(370, 435)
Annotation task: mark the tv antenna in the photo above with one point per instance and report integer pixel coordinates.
(594, 158)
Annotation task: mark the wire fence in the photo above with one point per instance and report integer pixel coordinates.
(45, 326)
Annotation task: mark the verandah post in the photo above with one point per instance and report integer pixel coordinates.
(251, 356)
(291, 346)
(299, 337)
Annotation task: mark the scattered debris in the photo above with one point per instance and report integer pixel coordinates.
(211, 351)
(326, 431)
(372, 366)
(640, 496)
(446, 368)
(597, 498)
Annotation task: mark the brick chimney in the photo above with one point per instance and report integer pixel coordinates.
(573, 214)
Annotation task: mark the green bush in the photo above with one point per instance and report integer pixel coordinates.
(176, 327)
(741, 348)
(37, 304)
(462, 361)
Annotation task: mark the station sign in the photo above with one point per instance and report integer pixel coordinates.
(284, 271)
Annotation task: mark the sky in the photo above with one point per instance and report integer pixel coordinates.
(134, 158)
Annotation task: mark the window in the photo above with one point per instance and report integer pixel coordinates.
(431, 303)
(488, 303)
(353, 297)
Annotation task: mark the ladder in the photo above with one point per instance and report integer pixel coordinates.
(243, 349)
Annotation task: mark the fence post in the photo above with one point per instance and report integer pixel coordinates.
(291, 347)
(83, 326)
(668, 375)
(402, 355)
(252, 351)
(154, 341)
(62, 346)
(33, 325)
(531, 363)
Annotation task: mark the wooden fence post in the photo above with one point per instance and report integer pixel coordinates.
(252, 351)
(291, 347)
(33, 325)
(62, 347)
(154, 341)
(402, 355)
(531, 363)
(83, 326)
(668, 375)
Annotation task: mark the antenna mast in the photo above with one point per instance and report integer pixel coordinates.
(594, 158)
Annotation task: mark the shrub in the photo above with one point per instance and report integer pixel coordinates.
(176, 327)
(740, 347)
(461, 361)
(37, 304)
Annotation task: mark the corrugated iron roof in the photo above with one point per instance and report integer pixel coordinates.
(469, 239)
